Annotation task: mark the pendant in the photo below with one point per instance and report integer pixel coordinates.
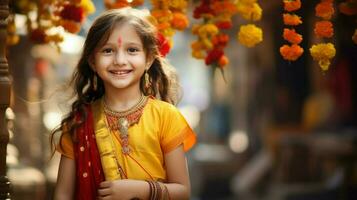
(124, 135)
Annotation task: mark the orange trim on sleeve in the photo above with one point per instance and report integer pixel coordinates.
(67, 146)
(187, 137)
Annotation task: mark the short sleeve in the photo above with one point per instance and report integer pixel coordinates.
(175, 130)
(65, 146)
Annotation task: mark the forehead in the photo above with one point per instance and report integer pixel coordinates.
(124, 33)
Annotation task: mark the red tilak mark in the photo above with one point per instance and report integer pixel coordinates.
(119, 41)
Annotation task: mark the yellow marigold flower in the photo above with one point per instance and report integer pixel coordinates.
(291, 19)
(198, 54)
(292, 52)
(208, 30)
(178, 4)
(354, 37)
(323, 53)
(88, 6)
(162, 15)
(250, 12)
(250, 35)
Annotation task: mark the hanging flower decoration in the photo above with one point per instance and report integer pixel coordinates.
(323, 52)
(51, 15)
(294, 51)
(216, 17)
(170, 16)
(349, 7)
(249, 35)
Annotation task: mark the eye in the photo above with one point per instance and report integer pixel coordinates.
(107, 50)
(133, 50)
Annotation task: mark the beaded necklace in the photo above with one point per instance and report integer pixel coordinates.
(122, 120)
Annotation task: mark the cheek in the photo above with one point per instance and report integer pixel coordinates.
(103, 61)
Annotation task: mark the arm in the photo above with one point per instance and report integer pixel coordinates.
(65, 179)
(178, 181)
(177, 174)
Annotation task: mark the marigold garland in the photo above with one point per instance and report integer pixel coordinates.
(294, 51)
(51, 14)
(323, 53)
(211, 40)
(170, 16)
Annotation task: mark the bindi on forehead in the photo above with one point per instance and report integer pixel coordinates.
(120, 41)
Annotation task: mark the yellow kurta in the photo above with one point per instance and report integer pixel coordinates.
(160, 130)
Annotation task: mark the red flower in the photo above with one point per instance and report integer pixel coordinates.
(72, 12)
(220, 40)
(224, 24)
(163, 44)
(202, 9)
(214, 56)
(38, 36)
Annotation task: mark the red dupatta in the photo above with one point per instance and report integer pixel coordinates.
(89, 172)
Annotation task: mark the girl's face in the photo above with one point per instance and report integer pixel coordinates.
(121, 61)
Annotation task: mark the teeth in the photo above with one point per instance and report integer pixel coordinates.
(120, 72)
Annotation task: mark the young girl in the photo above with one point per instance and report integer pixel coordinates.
(123, 138)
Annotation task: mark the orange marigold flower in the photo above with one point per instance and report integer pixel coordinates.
(223, 61)
(292, 5)
(323, 29)
(291, 19)
(348, 8)
(179, 21)
(292, 52)
(324, 10)
(291, 36)
(71, 26)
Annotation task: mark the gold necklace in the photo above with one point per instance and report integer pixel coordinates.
(121, 121)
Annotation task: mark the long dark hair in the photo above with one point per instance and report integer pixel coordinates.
(164, 84)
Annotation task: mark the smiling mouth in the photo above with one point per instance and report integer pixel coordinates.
(120, 72)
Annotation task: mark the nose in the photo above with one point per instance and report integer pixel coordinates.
(120, 58)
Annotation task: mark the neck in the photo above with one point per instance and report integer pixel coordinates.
(121, 100)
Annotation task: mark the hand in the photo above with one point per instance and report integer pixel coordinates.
(116, 190)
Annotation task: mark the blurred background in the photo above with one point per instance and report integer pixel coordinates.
(274, 130)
